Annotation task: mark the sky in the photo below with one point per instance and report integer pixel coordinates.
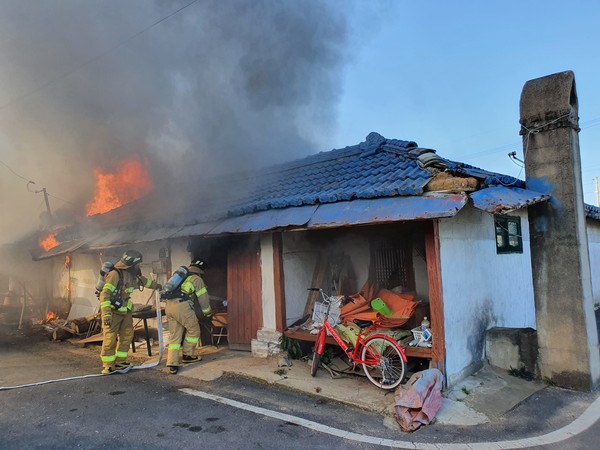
(205, 87)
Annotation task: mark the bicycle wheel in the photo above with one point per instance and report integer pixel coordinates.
(316, 359)
(384, 364)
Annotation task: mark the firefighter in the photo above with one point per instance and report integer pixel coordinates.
(116, 305)
(184, 329)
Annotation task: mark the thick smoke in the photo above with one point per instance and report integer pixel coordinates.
(217, 87)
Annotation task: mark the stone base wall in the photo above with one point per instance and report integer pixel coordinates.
(266, 343)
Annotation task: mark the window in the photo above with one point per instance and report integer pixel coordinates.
(508, 234)
(391, 264)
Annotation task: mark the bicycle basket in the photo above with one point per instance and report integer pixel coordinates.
(320, 309)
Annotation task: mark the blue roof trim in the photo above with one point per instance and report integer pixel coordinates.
(497, 199)
(383, 210)
(265, 220)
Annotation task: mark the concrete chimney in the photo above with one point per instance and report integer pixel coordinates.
(566, 324)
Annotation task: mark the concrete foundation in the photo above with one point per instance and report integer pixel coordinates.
(512, 348)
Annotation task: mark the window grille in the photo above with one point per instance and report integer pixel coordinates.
(392, 264)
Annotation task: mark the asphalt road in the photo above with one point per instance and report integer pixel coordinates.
(147, 409)
(150, 409)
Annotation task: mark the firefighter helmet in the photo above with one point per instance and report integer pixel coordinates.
(199, 263)
(131, 258)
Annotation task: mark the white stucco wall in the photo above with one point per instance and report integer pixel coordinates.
(300, 258)
(481, 289)
(180, 256)
(84, 275)
(593, 233)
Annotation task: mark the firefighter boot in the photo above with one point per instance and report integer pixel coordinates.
(191, 359)
(107, 369)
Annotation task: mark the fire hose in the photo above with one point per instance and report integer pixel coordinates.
(119, 371)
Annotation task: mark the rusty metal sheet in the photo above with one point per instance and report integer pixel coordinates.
(112, 238)
(61, 249)
(266, 220)
(392, 209)
(117, 238)
(498, 199)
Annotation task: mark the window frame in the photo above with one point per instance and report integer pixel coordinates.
(502, 229)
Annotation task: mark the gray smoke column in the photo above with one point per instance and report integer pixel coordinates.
(221, 86)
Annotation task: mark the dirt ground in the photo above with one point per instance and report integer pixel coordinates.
(32, 357)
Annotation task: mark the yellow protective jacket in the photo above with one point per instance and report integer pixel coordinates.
(195, 284)
(132, 279)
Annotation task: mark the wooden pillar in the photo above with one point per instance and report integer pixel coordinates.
(279, 282)
(436, 302)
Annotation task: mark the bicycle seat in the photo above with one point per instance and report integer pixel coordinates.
(363, 323)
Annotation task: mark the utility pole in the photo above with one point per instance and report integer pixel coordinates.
(50, 212)
(597, 191)
(43, 190)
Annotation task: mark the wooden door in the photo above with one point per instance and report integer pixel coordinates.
(244, 292)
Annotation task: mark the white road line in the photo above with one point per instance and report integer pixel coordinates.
(582, 423)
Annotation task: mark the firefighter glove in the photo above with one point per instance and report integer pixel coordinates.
(107, 319)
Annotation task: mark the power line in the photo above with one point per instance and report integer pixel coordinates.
(93, 59)
(15, 173)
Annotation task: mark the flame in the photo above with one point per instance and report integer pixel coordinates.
(49, 242)
(50, 316)
(130, 182)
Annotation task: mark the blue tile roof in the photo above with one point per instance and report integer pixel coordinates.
(375, 168)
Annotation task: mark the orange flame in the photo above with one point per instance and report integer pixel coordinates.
(130, 182)
(49, 242)
(50, 316)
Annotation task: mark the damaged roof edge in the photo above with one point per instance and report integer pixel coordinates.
(392, 209)
(498, 199)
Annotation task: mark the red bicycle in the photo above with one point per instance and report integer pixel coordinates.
(382, 358)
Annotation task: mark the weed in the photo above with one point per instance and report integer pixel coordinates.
(549, 381)
(513, 372)
(280, 372)
(291, 346)
(520, 373)
(465, 390)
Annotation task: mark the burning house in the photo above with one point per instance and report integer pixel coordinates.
(384, 213)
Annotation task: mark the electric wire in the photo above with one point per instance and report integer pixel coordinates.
(15, 173)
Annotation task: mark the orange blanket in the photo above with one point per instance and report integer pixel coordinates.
(402, 306)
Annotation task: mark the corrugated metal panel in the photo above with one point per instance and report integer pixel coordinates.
(61, 249)
(501, 198)
(157, 234)
(117, 238)
(266, 220)
(198, 229)
(382, 210)
(112, 238)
